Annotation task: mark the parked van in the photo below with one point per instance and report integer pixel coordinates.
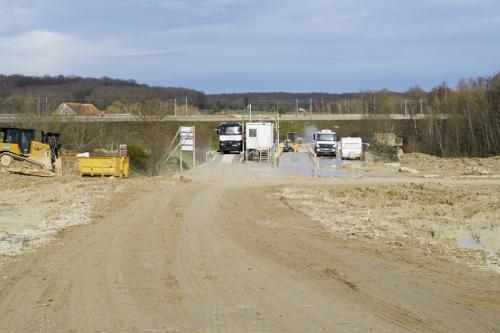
(351, 148)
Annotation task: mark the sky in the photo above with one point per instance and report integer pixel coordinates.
(255, 45)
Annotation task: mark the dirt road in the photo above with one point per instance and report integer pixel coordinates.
(223, 253)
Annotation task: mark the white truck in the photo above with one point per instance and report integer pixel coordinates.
(230, 138)
(351, 148)
(325, 143)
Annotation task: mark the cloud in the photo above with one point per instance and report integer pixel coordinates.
(190, 41)
(35, 51)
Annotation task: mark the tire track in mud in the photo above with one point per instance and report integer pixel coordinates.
(224, 255)
(219, 267)
(388, 295)
(114, 275)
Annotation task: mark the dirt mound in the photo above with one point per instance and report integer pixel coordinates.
(459, 221)
(452, 166)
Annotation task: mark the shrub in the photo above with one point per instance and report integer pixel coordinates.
(138, 158)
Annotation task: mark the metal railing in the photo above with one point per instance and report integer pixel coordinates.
(17, 118)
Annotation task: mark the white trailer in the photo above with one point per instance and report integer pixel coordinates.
(351, 148)
(259, 135)
(259, 140)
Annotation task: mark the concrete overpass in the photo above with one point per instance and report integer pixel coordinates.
(110, 118)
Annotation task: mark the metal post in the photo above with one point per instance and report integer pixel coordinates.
(180, 159)
(250, 108)
(406, 107)
(194, 147)
(244, 143)
(421, 106)
(278, 132)
(186, 107)
(297, 108)
(175, 107)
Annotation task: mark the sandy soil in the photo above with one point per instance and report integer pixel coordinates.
(452, 166)
(461, 220)
(34, 209)
(227, 253)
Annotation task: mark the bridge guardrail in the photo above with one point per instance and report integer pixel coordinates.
(5, 118)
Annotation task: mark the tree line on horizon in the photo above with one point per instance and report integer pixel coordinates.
(42, 95)
(473, 106)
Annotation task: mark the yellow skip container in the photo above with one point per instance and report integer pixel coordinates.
(104, 166)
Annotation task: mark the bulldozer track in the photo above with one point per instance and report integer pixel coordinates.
(25, 166)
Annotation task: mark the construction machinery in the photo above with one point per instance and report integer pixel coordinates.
(291, 144)
(21, 153)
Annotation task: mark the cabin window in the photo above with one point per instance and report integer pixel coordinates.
(252, 132)
(26, 138)
(11, 136)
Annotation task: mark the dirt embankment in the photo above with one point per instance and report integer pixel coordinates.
(452, 166)
(457, 220)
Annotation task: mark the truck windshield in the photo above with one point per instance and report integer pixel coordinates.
(230, 130)
(326, 137)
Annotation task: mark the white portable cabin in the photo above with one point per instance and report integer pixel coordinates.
(259, 135)
(351, 148)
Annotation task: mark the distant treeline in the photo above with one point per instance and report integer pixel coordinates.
(472, 109)
(39, 95)
(472, 113)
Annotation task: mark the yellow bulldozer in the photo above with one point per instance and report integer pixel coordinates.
(21, 153)
(291, 144)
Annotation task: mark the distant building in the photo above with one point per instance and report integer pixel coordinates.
(77, 109)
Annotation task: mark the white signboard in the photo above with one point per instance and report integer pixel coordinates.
(187, 138)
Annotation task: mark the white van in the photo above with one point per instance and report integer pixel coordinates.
(351, 148)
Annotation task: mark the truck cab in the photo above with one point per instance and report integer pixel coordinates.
(230, 138)
(325, 143)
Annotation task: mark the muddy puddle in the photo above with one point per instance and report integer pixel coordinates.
(328, 167)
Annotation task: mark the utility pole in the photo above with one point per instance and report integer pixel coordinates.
(310, 108)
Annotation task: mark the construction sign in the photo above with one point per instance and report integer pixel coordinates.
(187, 137)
